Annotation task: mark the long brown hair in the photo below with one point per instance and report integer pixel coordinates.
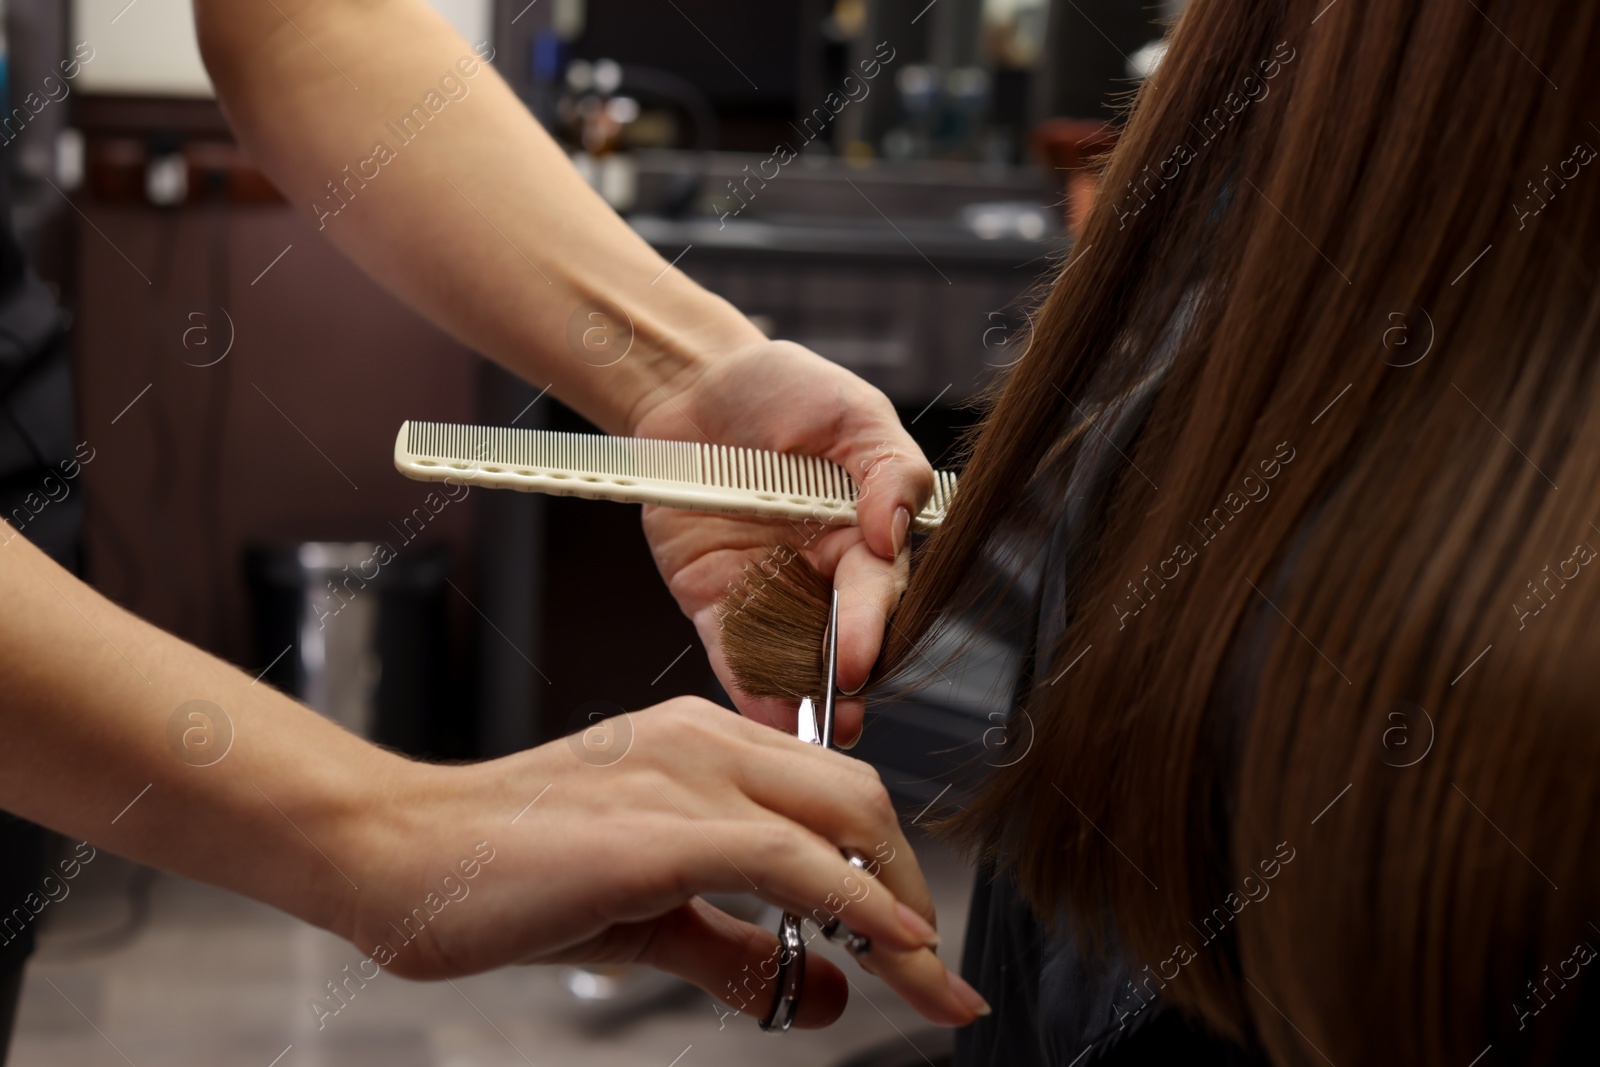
(1332, 600)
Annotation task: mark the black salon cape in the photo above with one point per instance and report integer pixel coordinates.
(1054, 1005)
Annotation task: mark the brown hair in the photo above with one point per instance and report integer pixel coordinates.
(1365, 231)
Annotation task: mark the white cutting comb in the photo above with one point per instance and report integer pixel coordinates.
(674, 474)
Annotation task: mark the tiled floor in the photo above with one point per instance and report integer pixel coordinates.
(211, 979)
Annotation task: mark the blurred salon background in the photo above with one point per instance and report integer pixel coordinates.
(883, 181)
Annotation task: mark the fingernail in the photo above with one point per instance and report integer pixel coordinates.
(915, 925)
(969, 997)
(902, 524)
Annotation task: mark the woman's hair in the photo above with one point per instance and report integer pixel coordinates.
(1325, 735)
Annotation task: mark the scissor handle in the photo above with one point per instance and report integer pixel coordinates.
(790, 977)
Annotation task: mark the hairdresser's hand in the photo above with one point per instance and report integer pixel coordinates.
(781, 396)
(593, 849)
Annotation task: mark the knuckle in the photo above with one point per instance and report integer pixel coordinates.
(881, 806)
(685, 712)
(874, 803)
(684, 705)
(871, 777)
(775, 847)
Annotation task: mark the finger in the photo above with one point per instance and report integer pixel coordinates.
(796, 870)
(737, 962)
(834, 796)
(823, 554)
(890, 471)
(779, 714)
(925, 983)
(844, 802)
(744, 846)
(849, 718)
(869, 589)
(802, 869)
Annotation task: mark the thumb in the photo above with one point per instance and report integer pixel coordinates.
(892, 476)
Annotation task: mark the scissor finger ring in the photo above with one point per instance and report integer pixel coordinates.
(835, 930)
(790, 977)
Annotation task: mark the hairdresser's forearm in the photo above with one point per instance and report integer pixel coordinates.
(91, 750)
(425, 223)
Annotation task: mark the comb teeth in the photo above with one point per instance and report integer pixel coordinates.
(623, 457)
(676, 474)
(944, 491)
(757, 470)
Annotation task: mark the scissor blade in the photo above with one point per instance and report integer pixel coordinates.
(808, 723)
(830, 672)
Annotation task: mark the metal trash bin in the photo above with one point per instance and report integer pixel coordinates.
(359, 632)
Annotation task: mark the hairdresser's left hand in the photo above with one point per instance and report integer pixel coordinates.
(781, 396)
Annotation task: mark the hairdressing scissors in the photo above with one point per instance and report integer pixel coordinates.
(791, 943)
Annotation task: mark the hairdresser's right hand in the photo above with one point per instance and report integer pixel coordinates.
(594, 849)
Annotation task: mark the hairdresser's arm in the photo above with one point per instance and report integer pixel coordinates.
(540, 856)
(481, 223)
